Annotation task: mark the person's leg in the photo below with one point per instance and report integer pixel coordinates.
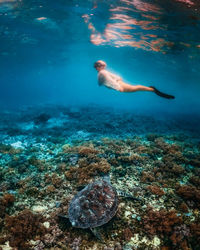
(133, 88)
(124, 87)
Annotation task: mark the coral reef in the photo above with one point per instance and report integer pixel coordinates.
(160, 222)
(23, 227)
(46, 159)
(87, 151)
(147, 177)
(165, 223)
(189, 193)
(156, 190)
(195, 180)
(195, 230)
(87, 168)
(5, 202)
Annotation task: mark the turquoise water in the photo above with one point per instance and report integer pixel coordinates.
(48, 50)
(60, 131)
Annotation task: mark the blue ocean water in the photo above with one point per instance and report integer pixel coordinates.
(74, 155)
(48, 49)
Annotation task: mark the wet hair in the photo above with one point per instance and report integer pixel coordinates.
(99, 63)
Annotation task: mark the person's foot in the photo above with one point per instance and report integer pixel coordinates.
(161, 94)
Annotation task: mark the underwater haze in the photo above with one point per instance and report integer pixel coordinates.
(85, 167)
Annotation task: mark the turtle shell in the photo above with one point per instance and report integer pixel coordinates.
(94, 205)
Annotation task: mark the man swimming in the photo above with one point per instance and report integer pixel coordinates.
(113, 81)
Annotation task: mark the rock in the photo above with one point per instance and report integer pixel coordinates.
(39, 208)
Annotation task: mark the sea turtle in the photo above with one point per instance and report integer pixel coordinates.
(94, 205)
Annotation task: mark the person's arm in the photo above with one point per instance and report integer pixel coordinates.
(101, 79)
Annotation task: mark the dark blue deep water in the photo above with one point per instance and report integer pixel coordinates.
(60, 131)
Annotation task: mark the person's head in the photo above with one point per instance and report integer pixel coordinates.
(99, 65)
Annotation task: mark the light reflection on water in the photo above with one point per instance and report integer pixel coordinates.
(145, 25)
(160, 26)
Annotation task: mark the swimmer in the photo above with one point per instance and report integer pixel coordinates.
(113, 81)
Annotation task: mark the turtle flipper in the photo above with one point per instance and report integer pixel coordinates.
(96, 233)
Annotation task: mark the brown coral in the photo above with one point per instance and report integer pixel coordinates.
(130, 159)
(86, 170)
(54, 179)
(195, 229)
(37, 163)
(85, 151)
(160, 222)
(189, 192)
(184, 207)
(127, 234)
(23, 227)
(6, 201)
(195, 180)
(156, 190)
(177, 169)
(147, 177)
